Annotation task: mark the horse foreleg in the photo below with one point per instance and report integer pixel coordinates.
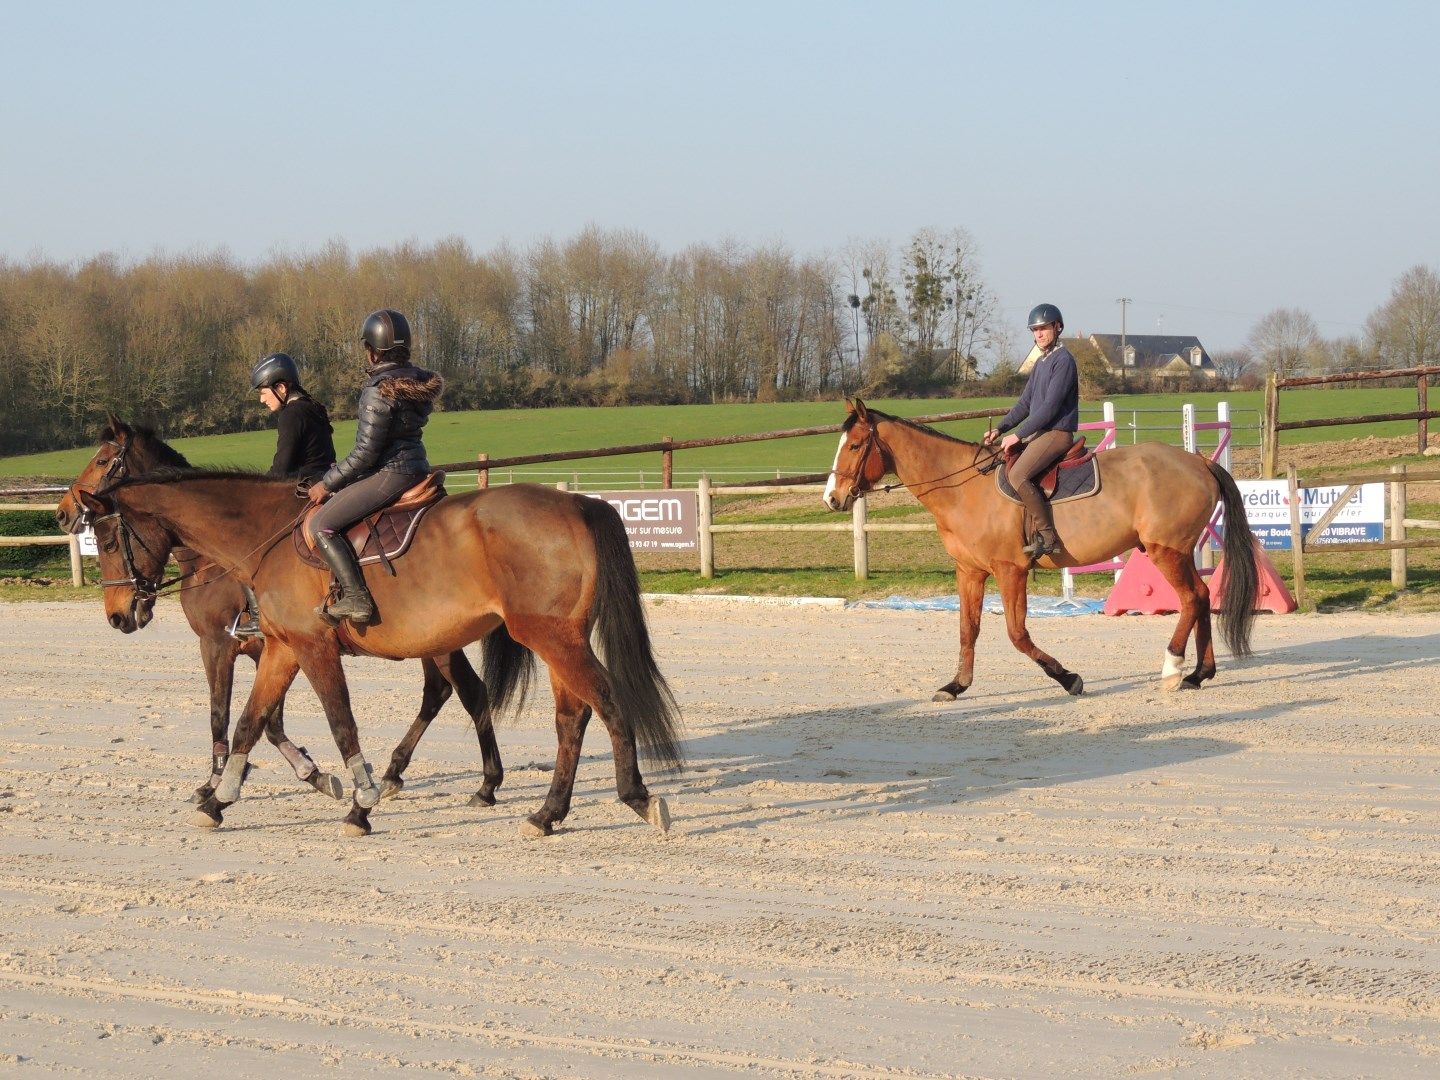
(432, 699)
(970, 588)
(273, 676)
(217, 653)
(1178, 568)
(321, 663)
(1012, 591)
(476, 700)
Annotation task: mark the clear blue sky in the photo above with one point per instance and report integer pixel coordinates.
(1212, 161)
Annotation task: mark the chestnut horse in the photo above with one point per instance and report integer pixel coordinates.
(550, 566)
(211, 600)
(1152, 496)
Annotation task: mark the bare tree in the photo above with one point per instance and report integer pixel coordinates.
(1283, 340)
(1406, 328)
(1232, 365)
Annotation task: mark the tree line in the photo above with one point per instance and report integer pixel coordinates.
(604, 318)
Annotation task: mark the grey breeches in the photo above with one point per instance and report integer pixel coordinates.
(350, 504)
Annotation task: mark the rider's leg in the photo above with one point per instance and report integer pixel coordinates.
(344, 508)
(1042, 451)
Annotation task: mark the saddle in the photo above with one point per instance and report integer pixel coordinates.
(1074, 476)
(380, 537)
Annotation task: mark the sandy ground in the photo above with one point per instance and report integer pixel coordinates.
(1239, 882)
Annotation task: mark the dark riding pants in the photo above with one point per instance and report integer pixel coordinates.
(350, 504)
(1042, 451)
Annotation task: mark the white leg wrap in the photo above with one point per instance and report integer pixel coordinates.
(366, 793)
(1174, 665)
(298, 759)
(228, 790)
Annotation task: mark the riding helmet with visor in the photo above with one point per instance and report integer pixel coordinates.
(1044, 315)
(275, 368)
(385, 329)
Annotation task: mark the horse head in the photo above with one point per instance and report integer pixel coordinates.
(861, 459)
(133, 548)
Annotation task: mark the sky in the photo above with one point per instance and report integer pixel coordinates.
(1210, 161)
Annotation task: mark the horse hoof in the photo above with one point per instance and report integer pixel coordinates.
(351, 828)
(481, 799)
(327, 784)
(390, 788)
(1076, 686)
(1171, 683)
(201, 820)
(531, 829)
(942, 695)
(657, 813)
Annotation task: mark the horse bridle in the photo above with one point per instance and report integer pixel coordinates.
(143, 587)
(116, 470)
(873, 442)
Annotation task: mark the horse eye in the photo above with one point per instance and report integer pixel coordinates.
(100, 463)
(110, 545)
(854, 446)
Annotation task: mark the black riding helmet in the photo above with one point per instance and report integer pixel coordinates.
(1044, 315)
(385, 329)
(277, 367)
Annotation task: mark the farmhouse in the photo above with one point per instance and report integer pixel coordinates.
(1164, 356)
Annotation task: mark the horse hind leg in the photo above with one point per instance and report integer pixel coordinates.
(432, 699)
(572, 716)
(476, 700)
(1178, 568)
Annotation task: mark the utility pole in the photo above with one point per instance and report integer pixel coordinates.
(1124, 303)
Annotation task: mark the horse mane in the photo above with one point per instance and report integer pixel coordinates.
(166, 456)
(935, 432)
(171, 475)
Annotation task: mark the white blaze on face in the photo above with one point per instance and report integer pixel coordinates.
(830, 497)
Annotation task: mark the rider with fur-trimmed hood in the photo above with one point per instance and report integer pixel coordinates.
(388, 457)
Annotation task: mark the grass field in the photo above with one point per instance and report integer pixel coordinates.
(454, 437)
(794, 564)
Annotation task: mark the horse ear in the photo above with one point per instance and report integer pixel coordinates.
(850, 406)
(97, 505)
(860, 410)
(118, 430)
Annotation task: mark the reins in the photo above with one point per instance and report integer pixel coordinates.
(873, 440)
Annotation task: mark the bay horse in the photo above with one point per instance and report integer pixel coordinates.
(1152, 496)
(211, 600)
(550, 566)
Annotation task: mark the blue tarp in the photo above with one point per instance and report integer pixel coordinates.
(1039, 607)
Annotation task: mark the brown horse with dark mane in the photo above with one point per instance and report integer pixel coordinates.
(211, 599)
(540, 568)
(1152, 496)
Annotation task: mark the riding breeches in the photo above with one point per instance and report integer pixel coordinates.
(351, 503)
(1042, 451)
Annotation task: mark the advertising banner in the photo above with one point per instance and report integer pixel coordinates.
(1267, 508)
(657, 520)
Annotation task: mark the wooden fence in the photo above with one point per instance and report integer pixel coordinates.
(1273, 425)
(77, 574)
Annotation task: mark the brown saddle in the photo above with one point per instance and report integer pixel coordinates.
(1046, 481)
(383, 536)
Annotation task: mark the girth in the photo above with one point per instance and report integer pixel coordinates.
(383, 536)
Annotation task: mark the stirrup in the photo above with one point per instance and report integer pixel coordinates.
(1039, 546)
(328, 612)
(243, 629)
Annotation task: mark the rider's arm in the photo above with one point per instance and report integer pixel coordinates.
(1020, 410)
(372, 433)
(287, 445)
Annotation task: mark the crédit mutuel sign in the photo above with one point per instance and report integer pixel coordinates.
(657, 520)
(1267, 507)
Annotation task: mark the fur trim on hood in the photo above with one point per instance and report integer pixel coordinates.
(412, 384)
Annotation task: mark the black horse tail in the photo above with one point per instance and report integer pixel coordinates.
(1242, 577)
(642, 697)
(509, 667)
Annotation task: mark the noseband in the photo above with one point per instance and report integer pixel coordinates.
(144, 588)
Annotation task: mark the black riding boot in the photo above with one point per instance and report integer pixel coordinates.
(355, 602)
(1046, 541)
(247, 621)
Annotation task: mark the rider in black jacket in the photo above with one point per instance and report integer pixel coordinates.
(388, 457)
(306, 444)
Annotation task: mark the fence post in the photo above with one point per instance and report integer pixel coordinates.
(77, 569)
(1269, 437)
(667, 466)
(1187, 427)
(862, 551)
(1399, 565)
(484, 481)
(1222, 414)
(561, 485)
(1422, 395)
(707, 538)
(1297, 541)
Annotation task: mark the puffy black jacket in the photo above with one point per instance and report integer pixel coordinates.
(305, 447)
(394, 405)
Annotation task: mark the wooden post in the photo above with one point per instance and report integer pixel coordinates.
(1297, 541)
(667, 468)
(562, 486)
(1269, 447)
(77, 569)
(1399, 565)
(1422, 394)
(862, 550)
(707, 538)
(484, 480)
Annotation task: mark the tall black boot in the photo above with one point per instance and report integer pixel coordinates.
(355, 602)
(1047, 540)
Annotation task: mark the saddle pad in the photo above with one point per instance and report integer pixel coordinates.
(389, 531)
(1078, 481)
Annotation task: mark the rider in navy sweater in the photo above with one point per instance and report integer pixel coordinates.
(1045, 419)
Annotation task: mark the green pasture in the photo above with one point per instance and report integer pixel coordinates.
(460, 436)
